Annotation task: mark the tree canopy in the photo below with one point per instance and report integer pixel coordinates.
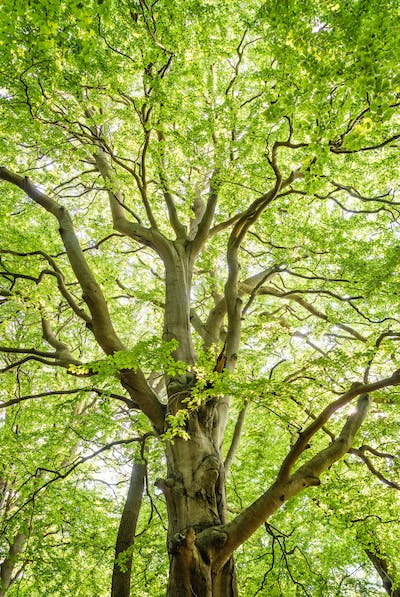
(199, 273)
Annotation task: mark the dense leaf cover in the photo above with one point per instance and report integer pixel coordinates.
(265, 134)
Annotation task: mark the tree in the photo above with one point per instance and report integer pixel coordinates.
(201, 220)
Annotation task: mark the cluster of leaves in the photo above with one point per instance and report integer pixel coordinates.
(148, 355)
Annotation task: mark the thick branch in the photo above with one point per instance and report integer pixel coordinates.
(237, 432)
(223, 225)
(239, 231)
(204, 226)
(150, 237)
(250, 286)
(31, 351)
(245, 524)
(7, 566)
(198, 324)
(60, 347)
(176, 224)
(92, 293)
(321, 461)
(304, 437)
(103, 328)
(144, 397)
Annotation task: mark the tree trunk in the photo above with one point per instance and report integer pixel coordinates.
(121, 579)
(195, 485)
(195, 496)
(191, 575)
(178, 280)
(8, 564)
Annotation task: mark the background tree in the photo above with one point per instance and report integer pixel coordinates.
(201, 233)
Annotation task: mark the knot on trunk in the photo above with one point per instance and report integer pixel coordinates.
(180, 386)
(207, 475)
(164, 485)
(182, 544)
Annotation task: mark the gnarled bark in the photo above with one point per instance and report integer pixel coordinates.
(195, 495)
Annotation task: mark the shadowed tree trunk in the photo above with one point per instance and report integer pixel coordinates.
(121, 578)
(8, 565)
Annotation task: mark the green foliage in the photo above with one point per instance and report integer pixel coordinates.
(188, 86)
(149, 355)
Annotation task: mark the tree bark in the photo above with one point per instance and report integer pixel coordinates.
(194, 488)
(121, 579)
(195, 497)
(178, 281)
(8, 564)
